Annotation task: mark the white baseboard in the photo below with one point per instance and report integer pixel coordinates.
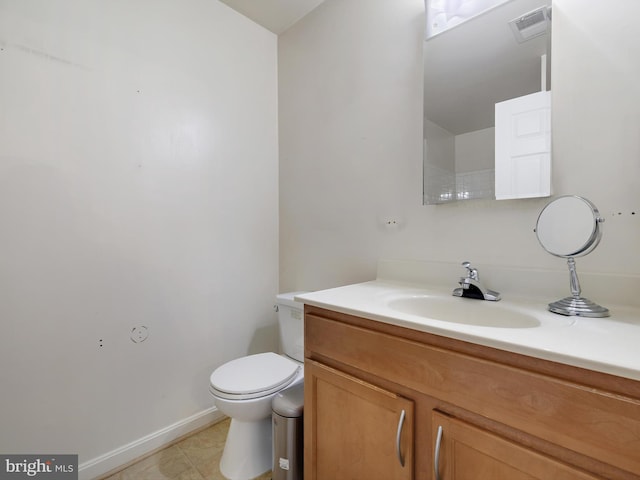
(102, 464)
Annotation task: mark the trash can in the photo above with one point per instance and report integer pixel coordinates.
(287, 409)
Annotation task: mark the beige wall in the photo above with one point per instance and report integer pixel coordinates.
(138, 186)
(350, 93)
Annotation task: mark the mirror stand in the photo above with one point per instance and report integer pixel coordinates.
(575, 304)
(569, 227)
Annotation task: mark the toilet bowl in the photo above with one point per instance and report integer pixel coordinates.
(243, 389)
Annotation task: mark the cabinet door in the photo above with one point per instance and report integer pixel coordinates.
(354, 430)
(465, 452)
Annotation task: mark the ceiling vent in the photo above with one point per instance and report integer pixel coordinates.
(531, 24)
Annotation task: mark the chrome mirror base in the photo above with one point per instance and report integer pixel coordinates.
(578, 306)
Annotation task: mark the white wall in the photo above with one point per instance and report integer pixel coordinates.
(350, 86)
(596, 120)
(441, 146)
(350, 96)
(475, 150)
(138, 186)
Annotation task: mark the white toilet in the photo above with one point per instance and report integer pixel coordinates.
(244, 388)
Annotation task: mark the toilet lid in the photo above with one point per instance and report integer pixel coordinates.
(253, 376)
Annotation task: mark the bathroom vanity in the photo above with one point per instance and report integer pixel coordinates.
(393, 394)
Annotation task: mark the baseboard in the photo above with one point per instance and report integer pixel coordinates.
(102, 464)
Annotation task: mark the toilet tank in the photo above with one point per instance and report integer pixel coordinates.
(291, 323)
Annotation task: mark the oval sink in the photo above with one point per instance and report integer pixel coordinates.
(464, 311)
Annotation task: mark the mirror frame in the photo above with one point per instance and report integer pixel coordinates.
(590, 243)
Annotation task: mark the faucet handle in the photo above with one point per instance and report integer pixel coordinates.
(472, 272)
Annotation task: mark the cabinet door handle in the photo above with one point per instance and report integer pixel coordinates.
(436, 454)
(398, 438)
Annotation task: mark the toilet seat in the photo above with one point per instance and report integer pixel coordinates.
(253, 376)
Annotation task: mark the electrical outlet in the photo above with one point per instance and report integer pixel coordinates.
(139, 334)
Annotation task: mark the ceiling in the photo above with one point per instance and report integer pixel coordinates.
(274, 15)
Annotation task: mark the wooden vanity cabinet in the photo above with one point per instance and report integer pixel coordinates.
(503, 415)
(463, 451)
(359, 430)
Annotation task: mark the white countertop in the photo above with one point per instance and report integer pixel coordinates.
(610, 345)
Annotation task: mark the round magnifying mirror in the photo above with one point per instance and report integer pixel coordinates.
(568, 227)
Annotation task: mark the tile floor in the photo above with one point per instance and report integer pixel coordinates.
(195, 458)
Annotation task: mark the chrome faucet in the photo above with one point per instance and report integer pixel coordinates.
(471, 287)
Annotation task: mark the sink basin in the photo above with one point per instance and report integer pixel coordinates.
(463, 311)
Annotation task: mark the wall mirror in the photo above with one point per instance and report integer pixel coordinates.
(473, 60)
(569, 227)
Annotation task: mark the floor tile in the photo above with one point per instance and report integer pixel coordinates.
(116, 476)
(202, 446)
(197, 457)
(169, 463)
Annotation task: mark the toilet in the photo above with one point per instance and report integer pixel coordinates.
(243, 389)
